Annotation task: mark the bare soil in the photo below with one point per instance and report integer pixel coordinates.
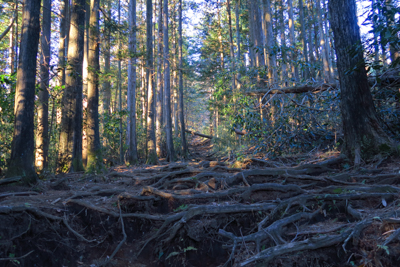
(303, 210)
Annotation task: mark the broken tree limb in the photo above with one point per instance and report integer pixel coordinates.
(199, 134)
(308, 244)
(293, 90)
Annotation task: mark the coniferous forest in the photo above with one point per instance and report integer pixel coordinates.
(199, 133)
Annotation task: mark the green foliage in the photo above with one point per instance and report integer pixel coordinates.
(7, 94)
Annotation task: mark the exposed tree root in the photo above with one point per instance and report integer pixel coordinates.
(249, 216)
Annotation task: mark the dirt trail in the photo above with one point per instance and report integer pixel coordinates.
(292, 211)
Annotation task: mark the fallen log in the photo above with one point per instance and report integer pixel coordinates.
(199, 134)
(293, 90)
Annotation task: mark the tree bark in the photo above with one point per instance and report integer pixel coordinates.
(70, 144)
(364, 137)
(62, 44)
(326, 72)
(159, 95)
(133, 153)
(271, 59)
(42, 130)
(181, 108)
(22, 147)
(303, 37)
(94, 158)
(231, 49)
(167, 88)
(294, 69)
(151, 134)
(121, 142)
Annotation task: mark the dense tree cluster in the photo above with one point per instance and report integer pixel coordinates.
(88, 83)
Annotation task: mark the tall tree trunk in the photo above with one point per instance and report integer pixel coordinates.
(327, 40)
(293, 64)
(303, 37)
(42, 131)
(85, 76)
(119, 82)
(159, 95)
(283, 43)
(133, 153)
(375, 30)
(151, 134)
(256, 33)
(232, 51)
(181, 108)
(94, 158)
(237, 15)
(310, 13)
(167, 88)
(326, 75)
(363, 135)
(271, 59)
(221, 48)
(22, 147)
(70, 144)
(64, 6)
(107, 69)
(174, 75)
(11, 53)
(16, 56)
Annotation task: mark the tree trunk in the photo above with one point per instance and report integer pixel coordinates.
(303, 37)
(151, 134)
(159, 95)
(167, 88)
(11, 53)
(119, 82)
(294, 69)
(85, 76)
(133, 153)
(284, 73)
(70, 144)
(22, 158)
(237, 15)
(326, 73)
(232, 51)
(181, 108)
(94, 158)
(64, 6)
(271, 59)
(42, 130)
(364, 136)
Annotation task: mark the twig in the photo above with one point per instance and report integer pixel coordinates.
(16, 258)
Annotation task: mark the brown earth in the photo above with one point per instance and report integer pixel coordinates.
(290, 211)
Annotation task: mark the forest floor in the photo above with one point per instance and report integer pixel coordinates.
(302, 210)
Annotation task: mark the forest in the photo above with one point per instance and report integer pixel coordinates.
(199, 133)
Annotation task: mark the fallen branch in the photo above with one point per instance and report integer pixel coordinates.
(10, 180)
(16, 258)
(293, 90)
(199, 134)
(311, 243)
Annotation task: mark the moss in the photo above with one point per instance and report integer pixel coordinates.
(152, 158)
(94, 162)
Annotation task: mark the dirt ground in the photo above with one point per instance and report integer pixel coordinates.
(303, 210)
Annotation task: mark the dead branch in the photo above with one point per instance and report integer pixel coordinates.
(308, 244)
(199, 134)
(18, 194)
(16, 258)
(293, 90)
(10, 180)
